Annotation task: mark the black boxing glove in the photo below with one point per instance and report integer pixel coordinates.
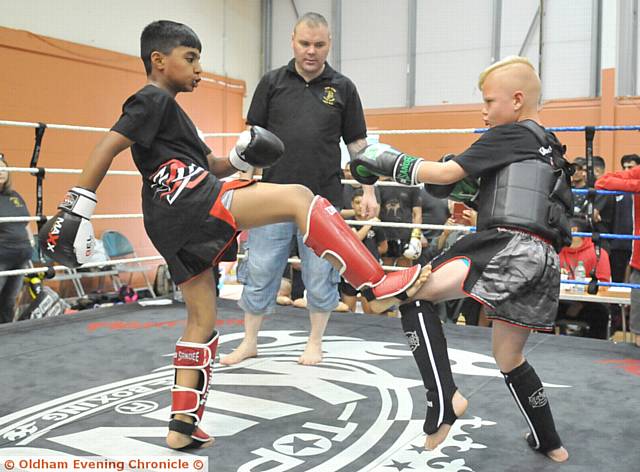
(256, 147)
(68, 237)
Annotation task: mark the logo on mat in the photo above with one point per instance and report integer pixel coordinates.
(538, 399)
(348, 413)
(413, 340)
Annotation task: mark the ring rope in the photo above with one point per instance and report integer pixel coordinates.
(35, 170)
(383, 224)
(383, 183)
(88, 265)
(372, 131)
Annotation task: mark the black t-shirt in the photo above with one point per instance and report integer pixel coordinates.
(177, 189)
(396, 206)
(497, 148)
(622, 221)
(348, 191)
(375, 237)
(14, 239)
(309, 118)
(435, 211)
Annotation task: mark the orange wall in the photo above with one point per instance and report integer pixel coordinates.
(607, 110)
(53, 81)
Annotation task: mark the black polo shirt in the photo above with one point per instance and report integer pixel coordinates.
(14, 239)
(309, 118)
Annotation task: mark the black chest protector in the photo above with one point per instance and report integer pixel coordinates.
(533, 195)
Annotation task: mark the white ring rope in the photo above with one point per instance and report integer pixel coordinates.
(58, 268)
(26, 124)
(35, 170)
(224, 135)
(22, 219)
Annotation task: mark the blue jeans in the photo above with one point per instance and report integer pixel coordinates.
(269, 248)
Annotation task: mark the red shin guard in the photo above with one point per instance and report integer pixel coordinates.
(191, 401)
(328, 234)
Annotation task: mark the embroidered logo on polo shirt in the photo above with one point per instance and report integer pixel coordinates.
(329, 96)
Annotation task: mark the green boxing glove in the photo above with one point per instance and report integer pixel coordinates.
(382, 160)
(464, 191)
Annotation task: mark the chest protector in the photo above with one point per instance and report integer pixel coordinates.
(533, 194)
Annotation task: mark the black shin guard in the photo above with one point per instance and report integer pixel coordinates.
(526, 388)
(426, 340)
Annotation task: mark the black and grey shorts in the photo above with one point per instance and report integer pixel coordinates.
(514, 274)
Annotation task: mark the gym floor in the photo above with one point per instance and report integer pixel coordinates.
(97, 383)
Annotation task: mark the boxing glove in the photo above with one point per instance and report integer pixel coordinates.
(382, 160)
(256, 147)
(465, 190)
(413, 248)
(68, 237)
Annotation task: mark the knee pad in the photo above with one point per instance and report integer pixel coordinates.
(428, 345)
(526, 388)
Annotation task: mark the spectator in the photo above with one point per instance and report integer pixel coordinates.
(434, 212)
(15, 245)
(401, 205)
(620, 252)
(579, 181)
(629, 181)
(448, 237)
(604, 205)
(309, 106)
(594, 315)
(374, 239)
(347, 212)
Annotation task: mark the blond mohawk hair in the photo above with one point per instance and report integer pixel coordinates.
(507, 61)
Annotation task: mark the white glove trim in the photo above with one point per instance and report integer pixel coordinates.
(79, 201)
(236, 161)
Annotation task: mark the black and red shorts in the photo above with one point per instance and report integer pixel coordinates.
(213, 240)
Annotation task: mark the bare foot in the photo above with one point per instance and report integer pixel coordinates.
(459, 407)
(283, 300)
(177, 440)
(244, 351)
(312, 354)
(342, 308)
(558, 455)
(300, 303)
(380, 306)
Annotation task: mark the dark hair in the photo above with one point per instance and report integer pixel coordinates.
(6, 188)
(598, 161)
(357, 192)
(164, 36)
(581, 223)
(630, 158)
(579, 161)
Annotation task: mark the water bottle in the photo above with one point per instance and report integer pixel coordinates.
(580, 274)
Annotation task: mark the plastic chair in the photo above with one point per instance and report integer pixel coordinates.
(118, 246)
(74, 275)
(38, 259)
